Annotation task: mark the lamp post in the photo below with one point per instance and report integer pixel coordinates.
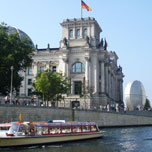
(11, 83)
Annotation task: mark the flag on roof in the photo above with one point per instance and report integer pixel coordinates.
(85, 6)
(106, 45)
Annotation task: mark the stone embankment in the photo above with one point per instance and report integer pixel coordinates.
(102, 118)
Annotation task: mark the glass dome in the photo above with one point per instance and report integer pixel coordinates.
(12, 30)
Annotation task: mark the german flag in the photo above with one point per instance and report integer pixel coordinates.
(85, 6)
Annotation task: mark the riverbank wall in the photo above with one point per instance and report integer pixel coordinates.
(102, 118)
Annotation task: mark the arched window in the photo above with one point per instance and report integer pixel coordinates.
(71, 33)
(78, 67)
(85, 33)
(78, 33)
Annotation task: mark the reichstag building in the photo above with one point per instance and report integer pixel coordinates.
(83, 57)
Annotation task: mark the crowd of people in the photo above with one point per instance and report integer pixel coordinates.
(17, 101)
(31, 101)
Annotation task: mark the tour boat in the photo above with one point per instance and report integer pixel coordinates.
(39, 133)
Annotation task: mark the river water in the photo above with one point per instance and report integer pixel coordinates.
(136, 139)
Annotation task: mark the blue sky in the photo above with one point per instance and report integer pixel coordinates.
(126, 25)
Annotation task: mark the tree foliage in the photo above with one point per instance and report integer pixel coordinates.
(16, 52)
(52, 85)
(147, 104)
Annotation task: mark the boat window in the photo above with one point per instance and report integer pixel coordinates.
(66, 129)
(45, 130)
(93, 128)
(76, 129)
(14, 128)
(52, 130)
(23, 130)
(85, 128)
(4, 128)
(55, 130)
(39, 131)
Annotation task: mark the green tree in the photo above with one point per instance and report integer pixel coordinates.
(147, 104)
(42, 84)
(16, 52)
(52, 85)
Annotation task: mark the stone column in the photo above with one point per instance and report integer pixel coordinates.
(35, 68)
(87, 71)
(114, 88)
(47, 65)
(67, 69)
(94, 73)
(65, 61)
(109, 86)
(102, 78)
(121, 90)
(81, 32)
(106, 79)
(90, 75)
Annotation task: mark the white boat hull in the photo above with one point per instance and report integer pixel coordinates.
(39, 140)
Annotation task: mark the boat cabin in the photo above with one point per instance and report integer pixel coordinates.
(48, 129)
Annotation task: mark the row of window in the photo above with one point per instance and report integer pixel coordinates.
(71, 33)
(78, 67)
(77, 87)
(30, 72)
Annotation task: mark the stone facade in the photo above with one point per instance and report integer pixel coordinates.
(84, 59)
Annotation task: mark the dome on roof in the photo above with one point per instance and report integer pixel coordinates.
(135, 95)
(12, 30)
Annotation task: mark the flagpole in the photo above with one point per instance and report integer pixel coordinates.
(81, 9)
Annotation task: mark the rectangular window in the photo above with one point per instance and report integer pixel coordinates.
(54, 69)
(29, 92)
(77, 87)
(45, 130)
(42, 69)
(29, 81)
(30, 71)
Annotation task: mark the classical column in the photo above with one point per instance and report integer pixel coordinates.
(121, 90)
(66, 69)
(72, 87)
(106, 79)
(94, 73)
(81, 32)
(87, 71)
(102, 78)
(114, 88)
(35, 68)
(47, 65)
(109, 86)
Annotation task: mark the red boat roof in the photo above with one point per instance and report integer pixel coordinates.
(6, 125)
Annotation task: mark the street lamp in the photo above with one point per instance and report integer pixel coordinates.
(11, 83)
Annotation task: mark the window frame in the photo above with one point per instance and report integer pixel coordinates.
(30, 71)
(30, 81)
(41, 69)
(76, 68)
(70, 33)
(77, 89)
(77, 33)
(85, 32)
